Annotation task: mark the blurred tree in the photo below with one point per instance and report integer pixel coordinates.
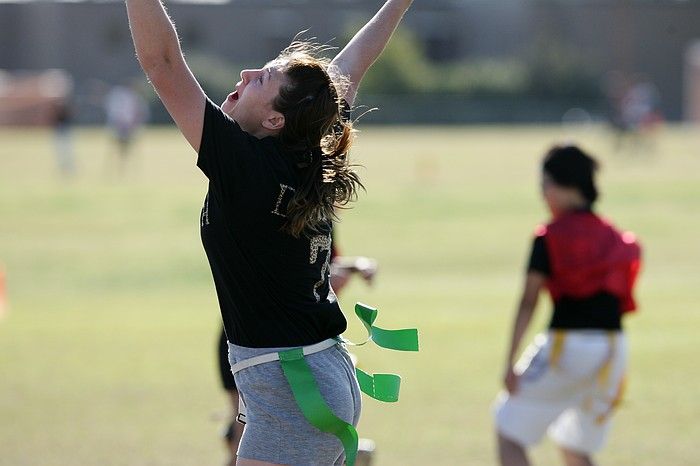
(402, 68)
(557, 70)
(549, 70)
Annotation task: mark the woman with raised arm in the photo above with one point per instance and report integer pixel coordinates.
(276, 156)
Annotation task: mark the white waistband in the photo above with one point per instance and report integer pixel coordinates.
(269, 357)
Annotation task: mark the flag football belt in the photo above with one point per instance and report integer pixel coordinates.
(382, 387)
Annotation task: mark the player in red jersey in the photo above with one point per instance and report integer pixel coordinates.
(568, 381)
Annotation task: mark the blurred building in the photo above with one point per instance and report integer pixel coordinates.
(90, 40)
(692, 86)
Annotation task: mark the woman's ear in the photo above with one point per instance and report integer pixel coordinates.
(274, 121)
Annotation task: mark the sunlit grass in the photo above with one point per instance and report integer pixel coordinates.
(107, 350)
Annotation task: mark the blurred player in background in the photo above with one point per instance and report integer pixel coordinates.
(569, 380)
(63, 137)
(126, 113)
(634, 111)
(276, 157)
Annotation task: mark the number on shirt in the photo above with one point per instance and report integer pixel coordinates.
(320, 243)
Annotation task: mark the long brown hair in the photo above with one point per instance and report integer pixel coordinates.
(317, 135)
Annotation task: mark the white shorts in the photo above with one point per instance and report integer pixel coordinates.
(569, 384)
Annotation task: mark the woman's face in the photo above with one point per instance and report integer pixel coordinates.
(250, 104)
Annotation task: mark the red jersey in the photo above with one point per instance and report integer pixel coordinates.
(588, 255)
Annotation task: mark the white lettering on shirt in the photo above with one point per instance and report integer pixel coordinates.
(204, 218)
(283, 189)
(320, 243)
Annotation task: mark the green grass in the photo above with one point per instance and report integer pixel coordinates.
(107, 349)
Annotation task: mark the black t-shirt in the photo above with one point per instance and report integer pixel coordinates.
(273, 289)
(599, 311)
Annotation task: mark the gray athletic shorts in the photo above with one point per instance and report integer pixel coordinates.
(276, 431)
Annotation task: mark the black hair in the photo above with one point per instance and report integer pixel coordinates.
(571, 167)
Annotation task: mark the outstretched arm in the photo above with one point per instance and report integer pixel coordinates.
(158, 51)
(369, 42)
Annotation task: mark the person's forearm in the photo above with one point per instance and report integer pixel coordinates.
(534, 281)
(153, 33)
(522, 320)
(368, 43)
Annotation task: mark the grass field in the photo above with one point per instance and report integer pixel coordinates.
(107, 348)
